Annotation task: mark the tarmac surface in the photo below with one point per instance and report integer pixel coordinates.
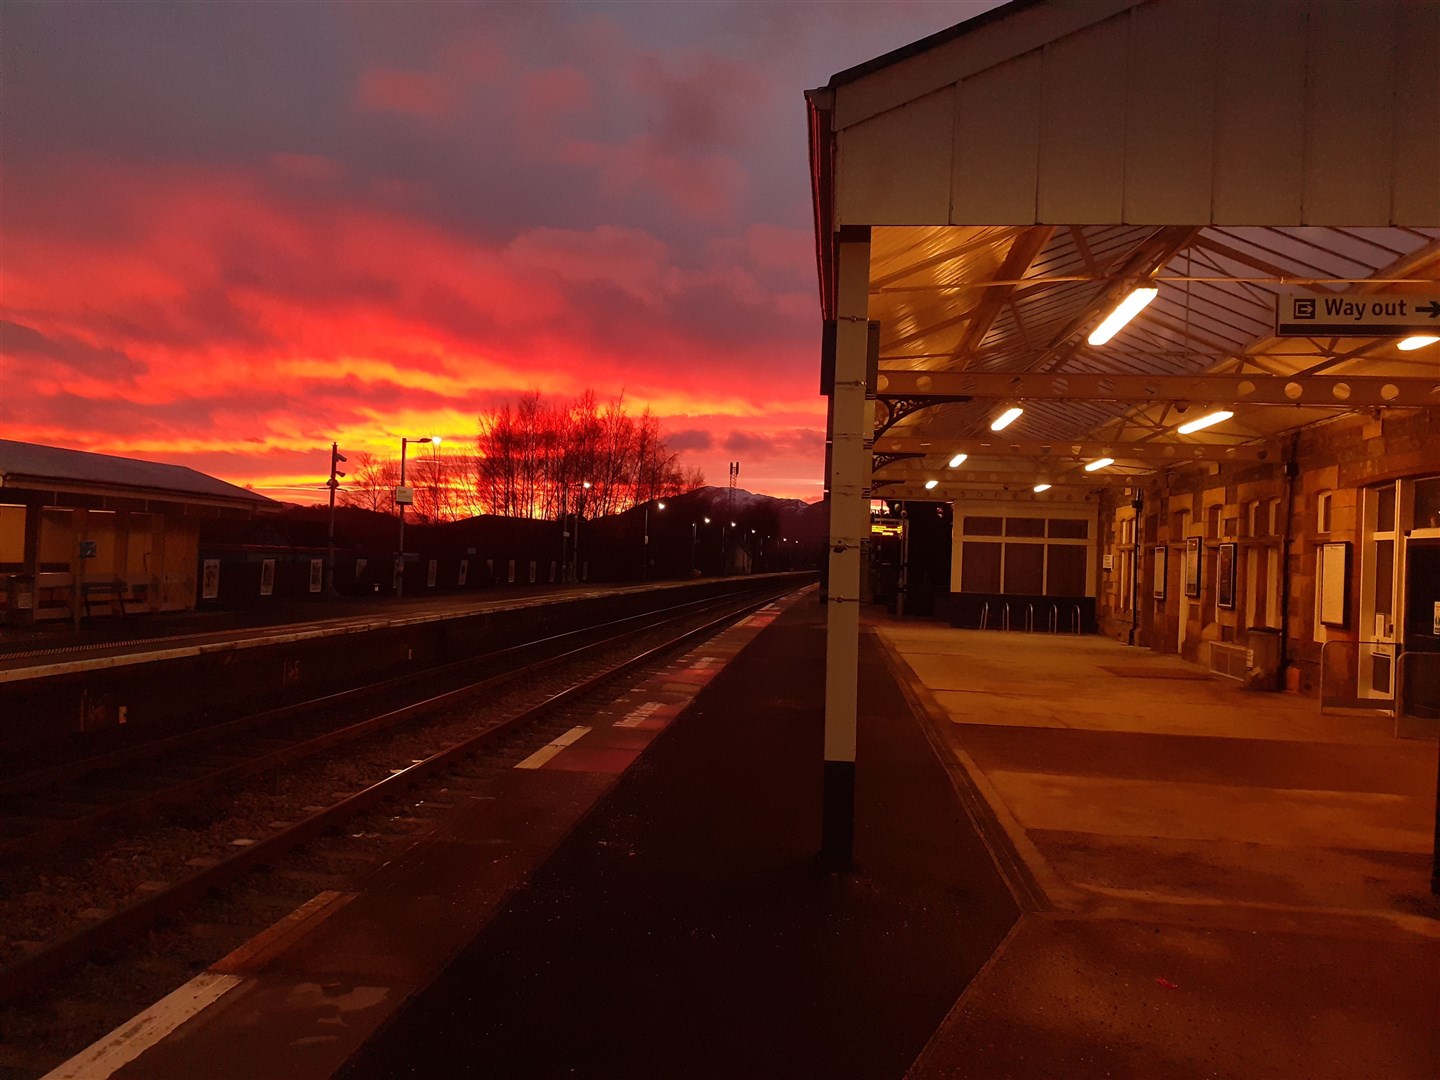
(685, 929)
(1074, 859)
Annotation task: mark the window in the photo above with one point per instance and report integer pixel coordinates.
(1322, 515)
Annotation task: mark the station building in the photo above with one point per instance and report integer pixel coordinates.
(1243, 466)
(83, 532)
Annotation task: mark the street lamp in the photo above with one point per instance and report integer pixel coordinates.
(694, 540)
(403, 498)
(645, 545)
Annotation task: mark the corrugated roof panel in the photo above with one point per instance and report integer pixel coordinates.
(33, 463)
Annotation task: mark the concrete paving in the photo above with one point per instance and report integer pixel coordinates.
(1227, 883)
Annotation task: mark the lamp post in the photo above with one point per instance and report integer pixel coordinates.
(433, 440)
(694, 542)
(645, 543)
(333, 483)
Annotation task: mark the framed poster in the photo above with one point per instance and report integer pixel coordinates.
(267, 577)
(1161, 565)
(1225, 577)
(317, 574)
(1192, 566)
(1333, 586)
(210, 581)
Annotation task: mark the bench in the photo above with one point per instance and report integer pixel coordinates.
(114, 594)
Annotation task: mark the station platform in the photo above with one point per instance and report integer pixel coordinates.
(46, 644)
(1072, 859)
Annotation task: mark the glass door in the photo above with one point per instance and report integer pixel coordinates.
(1376, 667)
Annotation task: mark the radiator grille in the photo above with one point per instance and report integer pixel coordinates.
(1231, 661)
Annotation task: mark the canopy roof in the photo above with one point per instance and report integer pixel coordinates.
(1017, 181)
(53, 468)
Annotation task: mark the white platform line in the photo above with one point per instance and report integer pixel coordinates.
(132, 1038)
(550, 749)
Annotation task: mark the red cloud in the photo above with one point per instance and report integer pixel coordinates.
(417, 93)
(196, 312)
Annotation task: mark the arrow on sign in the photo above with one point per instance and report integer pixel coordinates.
(1433, 308)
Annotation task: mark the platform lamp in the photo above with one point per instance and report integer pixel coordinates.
(403, 498)
(333, 484)
(694, 542)
(645, 542)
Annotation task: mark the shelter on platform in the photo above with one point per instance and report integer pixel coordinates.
(1261, 183)
(79, 530)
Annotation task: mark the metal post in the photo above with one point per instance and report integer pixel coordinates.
(400, 578)
(645, 547)
(333, 484)
(849, 482)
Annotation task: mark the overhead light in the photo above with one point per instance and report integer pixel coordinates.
(1041, 487)
(1006, 418)
(1419, 341)
(958, 460)
(1126, 310)
(1099, 463)
(1204, 421)
(931, 485)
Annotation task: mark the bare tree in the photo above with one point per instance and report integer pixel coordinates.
(538, 459)
(371, 483)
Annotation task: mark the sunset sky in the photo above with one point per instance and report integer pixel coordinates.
(234, 232)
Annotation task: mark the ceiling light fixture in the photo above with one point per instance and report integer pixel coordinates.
(1099, 463)
(1204, 421)
(931, 485)
(958, 460)
(1126, 310)
(1419, 341)
(1006, 418)
(1041, 487)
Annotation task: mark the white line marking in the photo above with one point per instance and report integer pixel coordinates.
(540, 757)
(638, 715)
(132, 1038)
(550, 749)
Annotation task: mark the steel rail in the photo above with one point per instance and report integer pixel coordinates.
(21, 977)
(38, 779)
(47, 840)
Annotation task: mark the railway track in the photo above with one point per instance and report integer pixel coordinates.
(47, 809)
(165, 902)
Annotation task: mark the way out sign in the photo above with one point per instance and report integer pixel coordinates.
(1357, 315)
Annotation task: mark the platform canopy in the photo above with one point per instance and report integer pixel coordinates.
(80, 473)
(986, 197)
(1020, 174)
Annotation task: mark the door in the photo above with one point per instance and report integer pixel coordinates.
(1421, 683)
(1375, 669)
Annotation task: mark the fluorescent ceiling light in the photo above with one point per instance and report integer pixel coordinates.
(1099, 463)
(1127, 309)
(931, 485)
(1419, 341)
(1204, 421)
(958, 460)
(1006, 418)
(1041, 487)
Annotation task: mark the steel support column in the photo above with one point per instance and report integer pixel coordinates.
(849, 521)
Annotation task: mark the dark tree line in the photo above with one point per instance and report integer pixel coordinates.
(533, 459)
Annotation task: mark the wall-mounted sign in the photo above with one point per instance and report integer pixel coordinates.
(1357, 315)
(1161, 560)
(210, 580)
(1225, 577)
(1191, 577)
(317, 574)
(87, 549)
(267, 577)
